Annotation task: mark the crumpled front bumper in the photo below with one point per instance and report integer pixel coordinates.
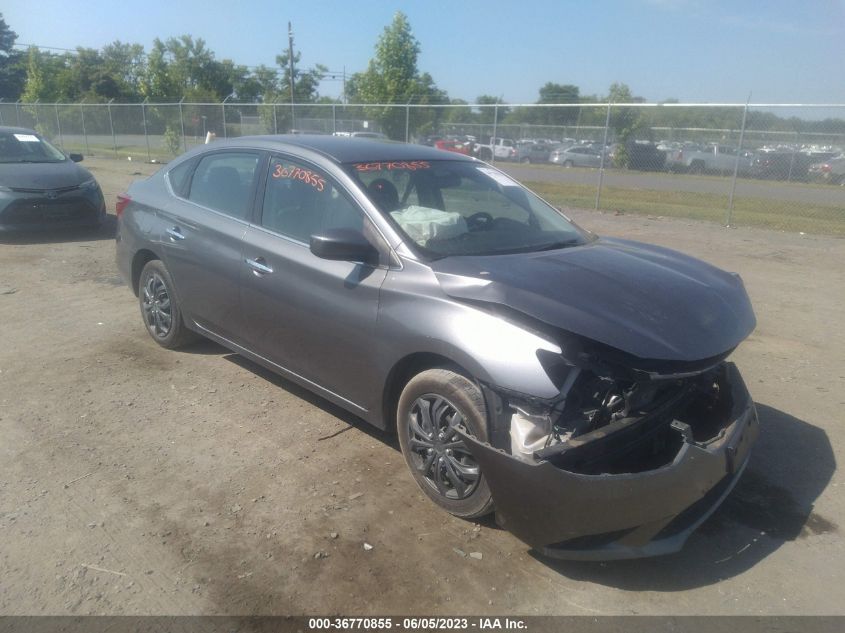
(602, 517)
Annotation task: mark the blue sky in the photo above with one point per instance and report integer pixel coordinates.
(692, 50)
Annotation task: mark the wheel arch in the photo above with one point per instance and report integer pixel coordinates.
(139, 260)
(406, 368)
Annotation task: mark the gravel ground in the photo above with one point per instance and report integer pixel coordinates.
(134, 480)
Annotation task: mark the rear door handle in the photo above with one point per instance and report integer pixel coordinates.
(175, 233)
(259, 266)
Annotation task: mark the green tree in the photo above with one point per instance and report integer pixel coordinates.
(124, 65)
(392, 77)
(305, 82)
(185, 68)
(44, 74)
(12, 64)
(557, 93)
(488, 115)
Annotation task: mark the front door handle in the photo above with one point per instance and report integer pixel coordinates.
(259, 266)
(175, 233)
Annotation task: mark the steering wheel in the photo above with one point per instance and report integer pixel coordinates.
(479, 221)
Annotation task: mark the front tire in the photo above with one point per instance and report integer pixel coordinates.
(431, 405)
(160, 308)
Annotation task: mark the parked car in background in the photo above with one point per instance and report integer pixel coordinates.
(43, 188)
(830, 171)
(780, 165)
(498, 148)
(644, 156)
(720, 159)
(576, 156)
(430, 140)
(373, 135)
(576, 385)
(454, 145)
(676, 153)
(534, 152)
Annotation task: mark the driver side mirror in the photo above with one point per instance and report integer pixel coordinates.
(344, 245)
(76, 158)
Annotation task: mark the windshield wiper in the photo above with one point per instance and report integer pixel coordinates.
(556, 245)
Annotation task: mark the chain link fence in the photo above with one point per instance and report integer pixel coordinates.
(771, 165)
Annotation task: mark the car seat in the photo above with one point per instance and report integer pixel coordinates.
(383, 193)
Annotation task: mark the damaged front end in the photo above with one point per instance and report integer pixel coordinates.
(625, 462)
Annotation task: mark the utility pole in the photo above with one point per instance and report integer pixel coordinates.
(290, 73)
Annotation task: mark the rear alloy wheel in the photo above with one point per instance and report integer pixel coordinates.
(431, 406)
(160, 308)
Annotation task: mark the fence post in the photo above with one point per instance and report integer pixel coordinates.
(603, 153)
(18, 111)
(334, 118)
(275, 120)
(84, 133)
(59, 125)
(182, 125)
(407, 120)
(1, 113)
(146, 136)
(495, 126)
(225, 131)
(111, 127)
(37, 117)
(729, 215)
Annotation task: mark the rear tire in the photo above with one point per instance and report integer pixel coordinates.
(160, 308)
(431, 403)
(568, 164)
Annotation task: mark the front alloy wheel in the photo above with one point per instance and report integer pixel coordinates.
(431, 407)
(438, 451)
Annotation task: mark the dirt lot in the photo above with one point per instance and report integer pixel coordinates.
(136, 480)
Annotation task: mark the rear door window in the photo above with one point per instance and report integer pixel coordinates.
(224, 182)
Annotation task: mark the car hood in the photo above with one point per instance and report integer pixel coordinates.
(648, 301)
(42, 175)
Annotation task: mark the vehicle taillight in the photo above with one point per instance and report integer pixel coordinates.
(122, 201)
(825, 168)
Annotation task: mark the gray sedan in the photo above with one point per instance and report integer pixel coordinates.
(577, 156)
(576, 385)
(42, 188)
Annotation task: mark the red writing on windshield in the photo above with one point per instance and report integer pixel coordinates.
(411, 165)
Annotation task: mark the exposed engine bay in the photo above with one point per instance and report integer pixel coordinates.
(628, 422)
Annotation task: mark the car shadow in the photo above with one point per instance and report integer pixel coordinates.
(106, 231)
(208, 347)
(772, 504)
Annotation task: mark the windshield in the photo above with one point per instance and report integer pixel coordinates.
(24, 147)
(463, 208)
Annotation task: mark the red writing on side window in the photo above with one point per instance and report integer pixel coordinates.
(411, 165)
(297, 173)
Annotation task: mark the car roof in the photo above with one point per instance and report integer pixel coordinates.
(16, 130)
(347, 149)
